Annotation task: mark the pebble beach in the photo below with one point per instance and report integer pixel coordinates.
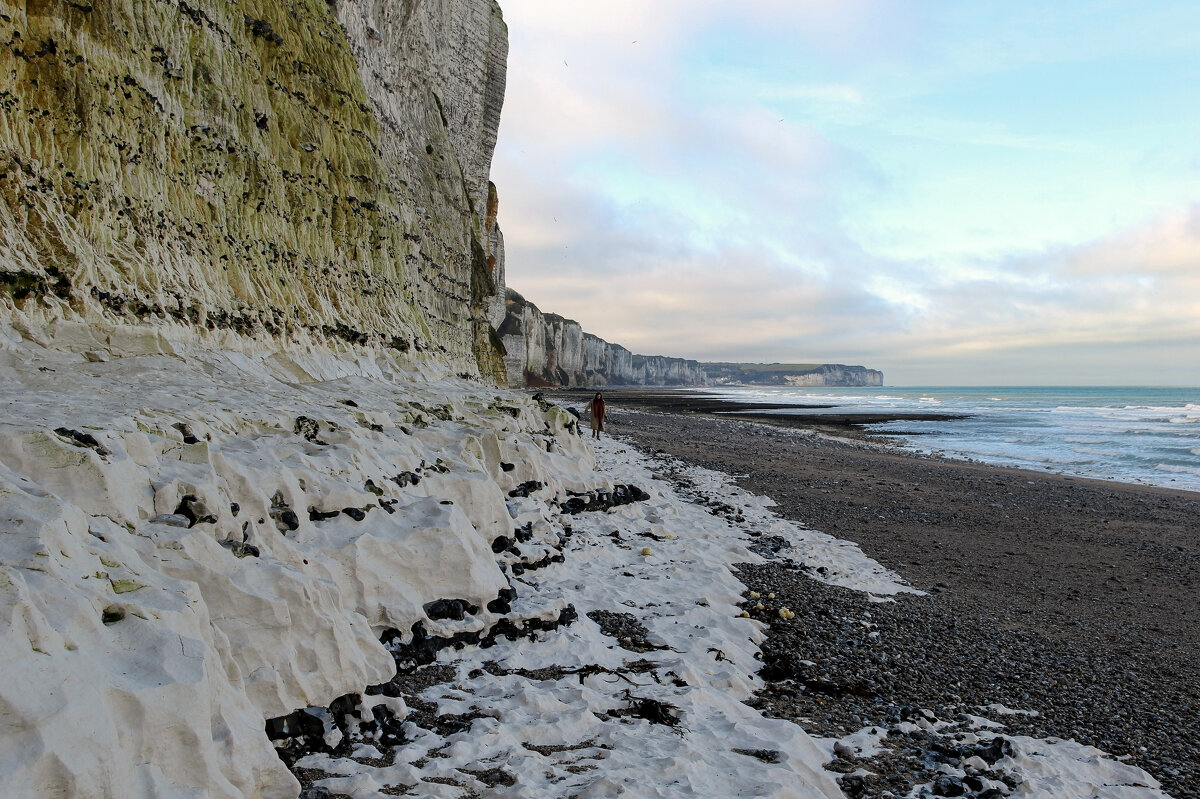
(1065, 605)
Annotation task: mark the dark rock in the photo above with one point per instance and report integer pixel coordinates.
(309, 428)
(507, 467)
(526, 488)
(652, 710)
(503, 602)
(357, 514)
(285, 518)
(603, 500)
(770, 546)
(391, 729)
(315, 515)
(241, 549)
(315, 792)
(948, 785)
(83, 440)
(629, 632)
(405, 479)
(994, 750)
(262, 29)
(449, 609)
(853, 785)
(422, 649)
(188, 436)
(195, 511)
(297, 734)
(501, 543)
(343, 706)
(765, 755)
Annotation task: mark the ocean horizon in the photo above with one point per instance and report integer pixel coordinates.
(1134, 434)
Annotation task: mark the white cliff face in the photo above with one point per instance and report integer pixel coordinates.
(546, 349)
(197, 541)
(441, 63)
(265, 168)
(523, 334)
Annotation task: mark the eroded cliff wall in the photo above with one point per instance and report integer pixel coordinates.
(545, 349)
(264, 166)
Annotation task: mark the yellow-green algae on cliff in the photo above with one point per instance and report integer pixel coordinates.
(222, 163)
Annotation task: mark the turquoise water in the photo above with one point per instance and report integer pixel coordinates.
(1136, 435)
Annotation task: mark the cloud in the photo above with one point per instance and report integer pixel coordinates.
(725, 304)
(743, 303)
(1136, 291)
(656, 186)
(1163, 248)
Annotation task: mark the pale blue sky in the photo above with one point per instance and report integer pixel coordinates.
(952, 192)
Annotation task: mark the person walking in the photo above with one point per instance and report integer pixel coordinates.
(597, 407)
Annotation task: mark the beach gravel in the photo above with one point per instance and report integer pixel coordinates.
(1073, 599)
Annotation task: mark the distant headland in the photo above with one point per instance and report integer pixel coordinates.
(791, 374)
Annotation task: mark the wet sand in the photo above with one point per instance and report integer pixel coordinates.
(694, 402)
(1085, 590)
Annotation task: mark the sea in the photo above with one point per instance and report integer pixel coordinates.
(1133, 435)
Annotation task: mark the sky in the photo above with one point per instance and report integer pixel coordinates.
(955, 193)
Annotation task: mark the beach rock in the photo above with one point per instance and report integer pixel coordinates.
(195, 511)
(172, 520)
(315, 792)
(241, 549)
(82, 439)
(449, 609)
(315, 515)
(526, 488)
(853, 785)
(405, 479)
(949, 785)
(309, 428)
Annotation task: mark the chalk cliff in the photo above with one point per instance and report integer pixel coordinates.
(289, 169)
(793, 374)
(544, 349)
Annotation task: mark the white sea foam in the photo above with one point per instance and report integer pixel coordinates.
(1120, 434)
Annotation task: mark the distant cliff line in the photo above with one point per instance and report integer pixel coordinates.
(545, 349)
(792, 374)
